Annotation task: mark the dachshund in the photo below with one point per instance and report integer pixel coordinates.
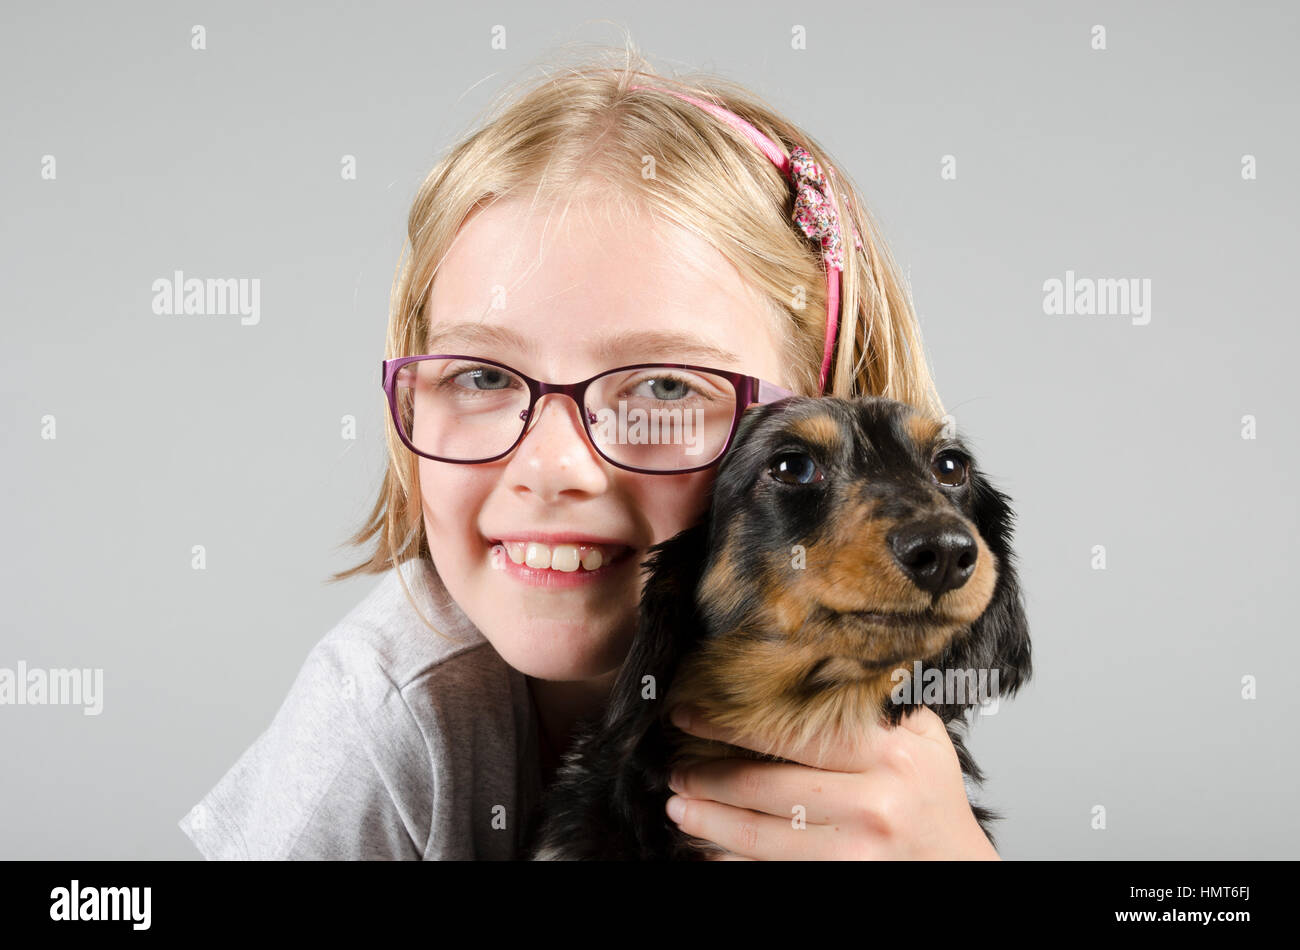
(849, 545)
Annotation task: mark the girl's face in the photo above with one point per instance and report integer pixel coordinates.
(603, 290)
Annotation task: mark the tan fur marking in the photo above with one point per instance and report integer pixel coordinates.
(820, 429)
(719, 588)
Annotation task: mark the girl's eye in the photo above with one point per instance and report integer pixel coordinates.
(796, 468)
(666, 388)
(483, 378)
(949, 469)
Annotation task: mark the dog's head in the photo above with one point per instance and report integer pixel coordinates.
(848, 541)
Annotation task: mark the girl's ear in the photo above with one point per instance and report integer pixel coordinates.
(668, 624)
(999, 640)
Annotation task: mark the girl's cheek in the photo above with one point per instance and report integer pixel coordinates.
(676, 502)
(453, 493)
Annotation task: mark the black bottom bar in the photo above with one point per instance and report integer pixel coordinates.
(913, 903)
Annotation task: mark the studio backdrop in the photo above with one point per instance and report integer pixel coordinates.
(1094, 205)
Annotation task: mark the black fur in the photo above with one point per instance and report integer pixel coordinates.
(607, 801)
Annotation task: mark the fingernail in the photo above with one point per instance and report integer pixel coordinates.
(676, 808)
(675, 780)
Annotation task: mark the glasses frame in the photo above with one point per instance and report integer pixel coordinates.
(750, 391)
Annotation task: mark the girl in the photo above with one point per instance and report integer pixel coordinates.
(604, 218)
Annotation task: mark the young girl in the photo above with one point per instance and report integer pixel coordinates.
(604, 218)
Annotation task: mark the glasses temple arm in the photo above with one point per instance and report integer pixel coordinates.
(763, 392)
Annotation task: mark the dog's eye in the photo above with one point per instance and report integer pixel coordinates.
(949, 469)
(796, 468)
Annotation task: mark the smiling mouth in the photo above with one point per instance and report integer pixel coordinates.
(565, 558)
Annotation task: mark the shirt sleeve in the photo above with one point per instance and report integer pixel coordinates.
(342, 773)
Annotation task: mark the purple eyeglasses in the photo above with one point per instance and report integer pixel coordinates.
(468, 410)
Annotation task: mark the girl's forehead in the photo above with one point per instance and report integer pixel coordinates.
(581, 238)
(541, 274)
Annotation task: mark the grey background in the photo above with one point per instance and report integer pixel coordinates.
(176, 431)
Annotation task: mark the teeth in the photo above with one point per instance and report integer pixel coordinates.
(538, 555)
(562, 557)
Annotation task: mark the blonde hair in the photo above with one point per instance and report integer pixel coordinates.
(581, 126)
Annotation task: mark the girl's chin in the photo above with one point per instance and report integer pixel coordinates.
(550, 649)
(554, 668)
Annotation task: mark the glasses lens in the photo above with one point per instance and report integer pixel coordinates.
(661, 418)
(460, 409)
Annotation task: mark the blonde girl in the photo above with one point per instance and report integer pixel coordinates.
(603, 217)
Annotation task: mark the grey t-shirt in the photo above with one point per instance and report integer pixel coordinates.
(393, 743)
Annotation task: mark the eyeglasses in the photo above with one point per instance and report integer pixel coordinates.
(653, 418)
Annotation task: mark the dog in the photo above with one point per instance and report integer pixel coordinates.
(846, 542)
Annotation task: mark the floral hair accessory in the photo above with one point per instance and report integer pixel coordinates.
(813, 211)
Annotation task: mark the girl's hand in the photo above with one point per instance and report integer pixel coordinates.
(900, 796)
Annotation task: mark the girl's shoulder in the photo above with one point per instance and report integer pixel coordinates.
(384, 663)
(388, 628)
(389, 731)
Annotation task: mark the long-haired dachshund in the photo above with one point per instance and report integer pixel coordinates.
(847, 541)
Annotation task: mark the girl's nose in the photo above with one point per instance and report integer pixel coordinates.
(555, 455)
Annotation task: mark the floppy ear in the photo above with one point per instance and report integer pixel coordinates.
(999, 639)
(668, 624)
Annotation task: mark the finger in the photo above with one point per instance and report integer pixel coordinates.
(765, 838)
(782, 790)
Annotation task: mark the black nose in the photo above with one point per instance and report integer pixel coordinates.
(937, 555)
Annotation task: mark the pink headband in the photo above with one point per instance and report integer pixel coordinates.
(814, 210)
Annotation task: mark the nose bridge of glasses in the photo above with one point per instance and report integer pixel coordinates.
(573, 390)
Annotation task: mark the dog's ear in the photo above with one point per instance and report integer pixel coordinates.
(999, 639)
(668, 623)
